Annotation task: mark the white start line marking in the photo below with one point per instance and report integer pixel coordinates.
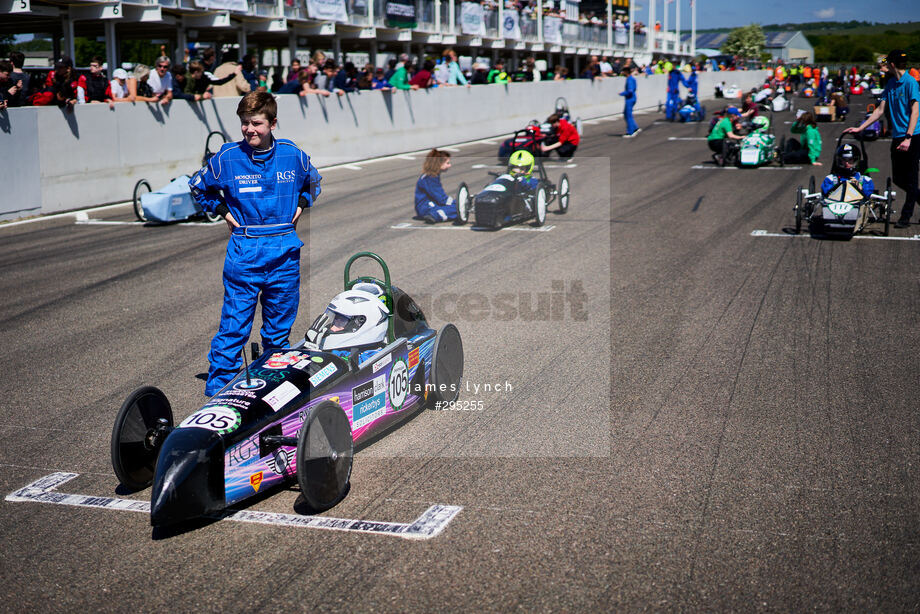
(687, 138)
(569, 165)
(430, 524)
(410, 226)
(764, 233)
(713, 167)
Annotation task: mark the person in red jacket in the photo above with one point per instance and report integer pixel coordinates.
(564, 137)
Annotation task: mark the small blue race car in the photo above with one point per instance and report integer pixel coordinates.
(173, 202)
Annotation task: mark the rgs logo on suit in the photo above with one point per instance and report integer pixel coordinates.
(286, 176)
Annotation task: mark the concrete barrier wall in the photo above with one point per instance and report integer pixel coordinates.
(56, 161)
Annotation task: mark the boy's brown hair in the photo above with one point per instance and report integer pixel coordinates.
(195, 66)
(433, 162)
(256, 103)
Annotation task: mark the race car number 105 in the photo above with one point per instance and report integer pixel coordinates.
(398, 386)
(218, 418)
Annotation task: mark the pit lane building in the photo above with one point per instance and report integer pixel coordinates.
(294, 28)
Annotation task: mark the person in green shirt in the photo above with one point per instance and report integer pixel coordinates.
(498, 74)
(809, 150)
(723, 135)
(400, 78)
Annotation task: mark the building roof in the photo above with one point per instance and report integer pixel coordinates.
(774, 38)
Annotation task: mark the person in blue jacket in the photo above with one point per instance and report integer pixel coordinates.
(260, 186)
(692, 81)
(629, 95)
(432, 203)
(673, 101)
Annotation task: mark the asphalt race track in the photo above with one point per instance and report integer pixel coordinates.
(677, 413)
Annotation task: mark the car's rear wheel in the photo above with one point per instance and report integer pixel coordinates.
(324, 456)
(140, 188)
(447, 365)
(798, 210)
(540, 206)
(463, 204)
(563, 193)
(141, 426)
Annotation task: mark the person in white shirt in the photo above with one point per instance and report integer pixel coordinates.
(119, 86)
(160, 81)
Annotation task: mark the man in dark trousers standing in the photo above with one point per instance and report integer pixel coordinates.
(901, 98)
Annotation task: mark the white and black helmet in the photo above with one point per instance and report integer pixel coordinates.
(354, 318)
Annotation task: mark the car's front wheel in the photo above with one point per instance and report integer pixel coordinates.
(324, 456)
(540, 207)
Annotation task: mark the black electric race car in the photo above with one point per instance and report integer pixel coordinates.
(509, 200)
(294, 413)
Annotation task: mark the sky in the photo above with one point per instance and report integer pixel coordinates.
(734, 13)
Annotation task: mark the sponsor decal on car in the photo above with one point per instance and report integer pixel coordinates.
(241, 404)
(269, 375)
(280, 360)
(252, 384)
(279, 461)
(242, 452)
(839, 208)
(398, 386)
(495, 187)
(278, 397)
(413, 357)
(382, 362)
(368, 401)
(319, 359)
(220, 418)
(255, 480)
(322, 375)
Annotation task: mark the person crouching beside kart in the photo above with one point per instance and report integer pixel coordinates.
(432, 203)
(563, 137)
(723, 139)
(809, 149)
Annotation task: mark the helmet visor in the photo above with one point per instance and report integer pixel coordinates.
(342, 323)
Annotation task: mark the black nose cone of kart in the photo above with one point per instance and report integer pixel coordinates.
(189, 477)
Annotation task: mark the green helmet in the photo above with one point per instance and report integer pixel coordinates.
(520, 163)
(761, 123)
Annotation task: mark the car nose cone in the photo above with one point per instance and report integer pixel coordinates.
(188, 481)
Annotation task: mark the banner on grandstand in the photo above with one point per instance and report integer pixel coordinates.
(471, 19)
(552, 30)
(511, 26)
(327, 10)
(223, 5)
(401, 14)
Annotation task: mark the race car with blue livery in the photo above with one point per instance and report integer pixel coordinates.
(367, 363)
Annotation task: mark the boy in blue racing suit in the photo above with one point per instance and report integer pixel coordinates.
(260, 186)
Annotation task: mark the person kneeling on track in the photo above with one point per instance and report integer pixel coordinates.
(722, 135)
(432, 203)
(563, 137)
(810, 148)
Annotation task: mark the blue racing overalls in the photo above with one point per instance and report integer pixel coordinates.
(673, 101)
(262, 189)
